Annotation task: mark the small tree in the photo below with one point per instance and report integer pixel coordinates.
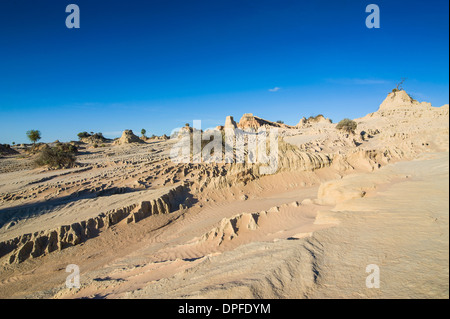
(34, 135)
(13, 143)
(347, 125)
(143, 131)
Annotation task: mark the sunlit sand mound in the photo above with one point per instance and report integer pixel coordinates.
(249, 121)
(127, 138)
(96, 138)
(313, 120)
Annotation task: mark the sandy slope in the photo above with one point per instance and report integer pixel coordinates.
(406, 236)
(402, 227)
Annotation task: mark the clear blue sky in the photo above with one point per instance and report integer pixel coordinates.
(157, 64)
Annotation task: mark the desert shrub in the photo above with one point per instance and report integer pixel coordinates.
(95, 145)
(70, 148)
(98, 136)
(280, 122)
(347, 125)
(36, 148)
(314, 118)
(91, 137)
(5, 149)
(103, 145)
(83, 135)
(60, 156)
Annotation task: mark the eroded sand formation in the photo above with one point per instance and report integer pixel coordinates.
(141, 226)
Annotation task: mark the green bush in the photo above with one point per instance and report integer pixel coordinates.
(60, 156)
(83, 135)
(347, 125)
(70, 148)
